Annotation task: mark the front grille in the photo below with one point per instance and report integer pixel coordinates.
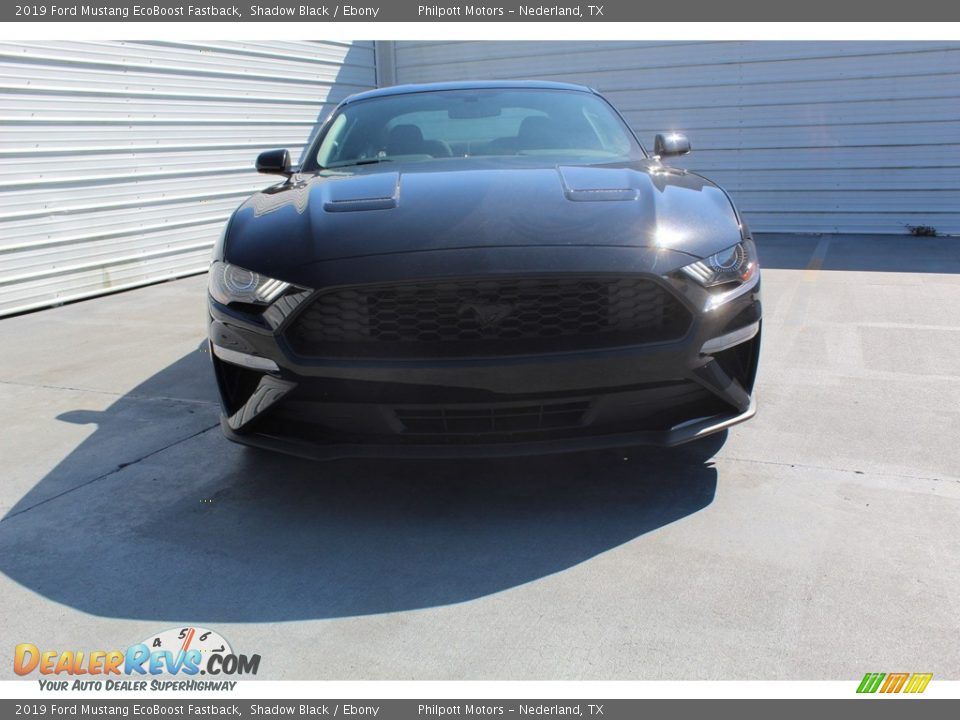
(486, 419)
(478, 317)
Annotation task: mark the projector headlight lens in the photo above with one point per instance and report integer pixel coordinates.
(735, 264)
(231, 283)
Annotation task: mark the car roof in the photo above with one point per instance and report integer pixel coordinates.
(466, 85)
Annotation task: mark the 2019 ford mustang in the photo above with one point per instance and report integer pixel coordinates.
(492, 268)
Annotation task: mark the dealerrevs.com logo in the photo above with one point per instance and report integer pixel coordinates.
(185, 652)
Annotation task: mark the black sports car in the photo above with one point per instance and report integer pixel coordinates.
(493, 268)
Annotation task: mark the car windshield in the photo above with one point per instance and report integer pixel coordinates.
(578, 127)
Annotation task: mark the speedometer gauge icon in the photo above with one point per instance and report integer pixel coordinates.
(183, 639)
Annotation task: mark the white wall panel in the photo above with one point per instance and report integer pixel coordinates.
(807, 136)
(120, 161)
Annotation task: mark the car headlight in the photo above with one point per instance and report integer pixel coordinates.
(736, 264)
(231, 283)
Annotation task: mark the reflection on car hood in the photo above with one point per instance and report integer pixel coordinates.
(391, 208)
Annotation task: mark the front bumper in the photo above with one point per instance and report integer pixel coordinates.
(656, 394)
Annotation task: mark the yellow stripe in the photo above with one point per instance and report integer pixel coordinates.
(918, 682)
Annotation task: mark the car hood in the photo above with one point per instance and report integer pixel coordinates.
(387, 209)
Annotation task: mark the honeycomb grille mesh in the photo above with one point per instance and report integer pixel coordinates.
(501, 316)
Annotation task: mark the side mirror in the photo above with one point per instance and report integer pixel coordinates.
(274, 162)
(671, 144)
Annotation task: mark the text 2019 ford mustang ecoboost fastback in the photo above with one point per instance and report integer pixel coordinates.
(492, 268)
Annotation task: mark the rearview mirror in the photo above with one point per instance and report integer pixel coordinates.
(274, 162)
(671, 144)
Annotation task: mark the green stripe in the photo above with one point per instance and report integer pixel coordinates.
(870, 682)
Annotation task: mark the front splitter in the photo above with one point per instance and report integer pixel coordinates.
(687, 432)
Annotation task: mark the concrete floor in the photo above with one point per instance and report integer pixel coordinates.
(818, 541)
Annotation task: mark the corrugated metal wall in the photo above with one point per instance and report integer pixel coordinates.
(808, 136)
(120, 161)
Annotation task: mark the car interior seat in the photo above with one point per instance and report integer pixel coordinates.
(405, 140)
(538, 133)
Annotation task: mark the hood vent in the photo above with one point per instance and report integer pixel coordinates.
(595, 184)
(366, 192)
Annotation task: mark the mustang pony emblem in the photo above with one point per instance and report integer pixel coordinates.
(487, 315)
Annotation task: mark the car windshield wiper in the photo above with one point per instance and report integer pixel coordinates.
(364, 161)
